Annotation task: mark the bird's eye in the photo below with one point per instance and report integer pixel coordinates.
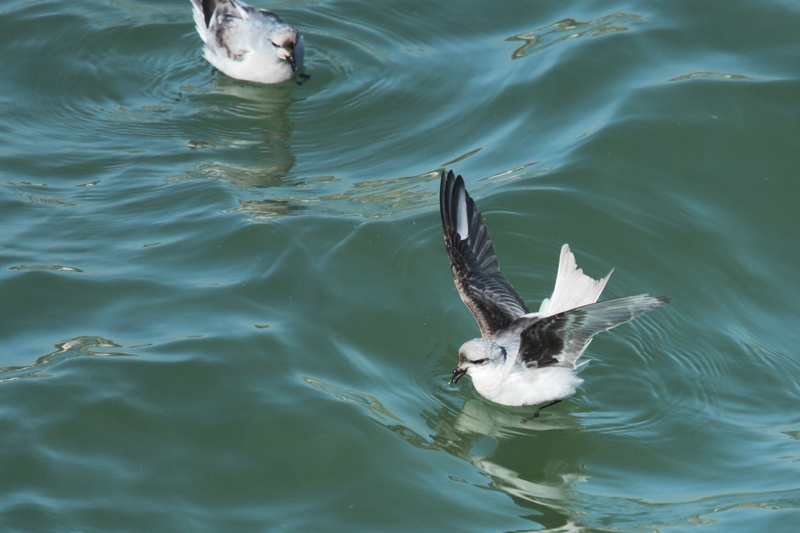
(480, 362)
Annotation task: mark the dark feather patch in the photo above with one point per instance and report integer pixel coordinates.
(543, 342)
(208, 10)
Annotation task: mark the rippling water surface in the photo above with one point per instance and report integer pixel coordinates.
(227, 307)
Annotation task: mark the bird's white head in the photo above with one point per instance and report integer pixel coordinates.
(478, 357)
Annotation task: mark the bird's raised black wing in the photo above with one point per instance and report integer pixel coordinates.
(483, 288)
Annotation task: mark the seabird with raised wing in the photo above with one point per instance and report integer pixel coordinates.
(523, 358)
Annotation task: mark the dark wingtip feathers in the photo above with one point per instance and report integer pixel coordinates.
(663, 299)
(450, 188)
(446, 185)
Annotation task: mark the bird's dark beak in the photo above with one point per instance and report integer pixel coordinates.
(457, 373)
(290, 49)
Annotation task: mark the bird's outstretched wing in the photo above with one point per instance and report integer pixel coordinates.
(483, 288)
(562, 338)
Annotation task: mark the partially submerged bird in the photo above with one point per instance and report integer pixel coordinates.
(247, 43)
(523, 358)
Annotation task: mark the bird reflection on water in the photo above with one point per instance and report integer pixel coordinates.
(519, 459)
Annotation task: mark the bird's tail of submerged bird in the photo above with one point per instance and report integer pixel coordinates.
(573, 287)
(200, 23)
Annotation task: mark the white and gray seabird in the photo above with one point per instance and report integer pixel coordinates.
(523, 358)
(247, 43)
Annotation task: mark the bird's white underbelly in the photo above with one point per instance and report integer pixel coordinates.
(251, 66)
(531, 387)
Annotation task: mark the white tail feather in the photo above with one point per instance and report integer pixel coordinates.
(573, 287)
(199, 20)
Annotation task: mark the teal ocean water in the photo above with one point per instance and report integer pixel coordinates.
(227, 307)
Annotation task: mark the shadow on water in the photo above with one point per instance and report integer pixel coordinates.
(490, 439)
(78, 347)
